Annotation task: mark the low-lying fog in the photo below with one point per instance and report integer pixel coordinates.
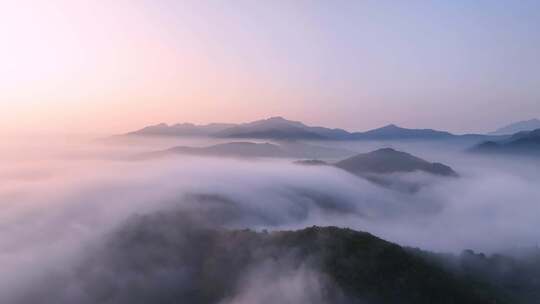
(58, 198)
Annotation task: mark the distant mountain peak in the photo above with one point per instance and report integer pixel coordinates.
(183, 124)
(526, 143)
(388, 160)
(281, 128)
(277, 118)
(386, 150)
(180, 129)
(391, 126)
(525, 125)
(393, 131)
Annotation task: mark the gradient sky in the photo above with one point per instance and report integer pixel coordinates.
(112, 66)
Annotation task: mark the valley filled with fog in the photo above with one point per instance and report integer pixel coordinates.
(269, 152)
(62, 200)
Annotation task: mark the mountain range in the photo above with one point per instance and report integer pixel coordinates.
(377, 166)
(522, 143)
(381, 161)
(526, 125)
(353, 267)
(183, 129)
(279, 128)
(250, 149)
(380, 167)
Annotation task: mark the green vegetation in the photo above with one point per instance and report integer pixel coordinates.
(162, 258)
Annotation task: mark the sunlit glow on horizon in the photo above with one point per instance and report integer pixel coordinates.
(109, 67)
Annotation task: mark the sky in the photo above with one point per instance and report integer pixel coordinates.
(102, 67)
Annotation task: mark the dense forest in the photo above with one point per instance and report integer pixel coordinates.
(172, 258)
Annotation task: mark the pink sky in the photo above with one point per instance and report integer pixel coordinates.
(109, 67)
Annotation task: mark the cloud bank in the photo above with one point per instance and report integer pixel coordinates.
(56, 212)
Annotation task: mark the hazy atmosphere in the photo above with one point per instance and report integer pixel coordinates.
(96, 67)
(242, 152)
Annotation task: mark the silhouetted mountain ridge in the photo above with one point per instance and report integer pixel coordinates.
(380, 167)
(175, 260)
(279, 128)
(388, 160)
(524, 143)
(394, 132)
(251, 149)
(526, 125)
(181, 129)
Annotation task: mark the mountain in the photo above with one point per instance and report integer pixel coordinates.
(281, 128)
(524, 137)
(522, 143)
(168, 258)
(387, 160)
(526, 125)
(394, 132)
(379, 167)
(511, 273)
(277, 128)
(250, 149)
(184, 129)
